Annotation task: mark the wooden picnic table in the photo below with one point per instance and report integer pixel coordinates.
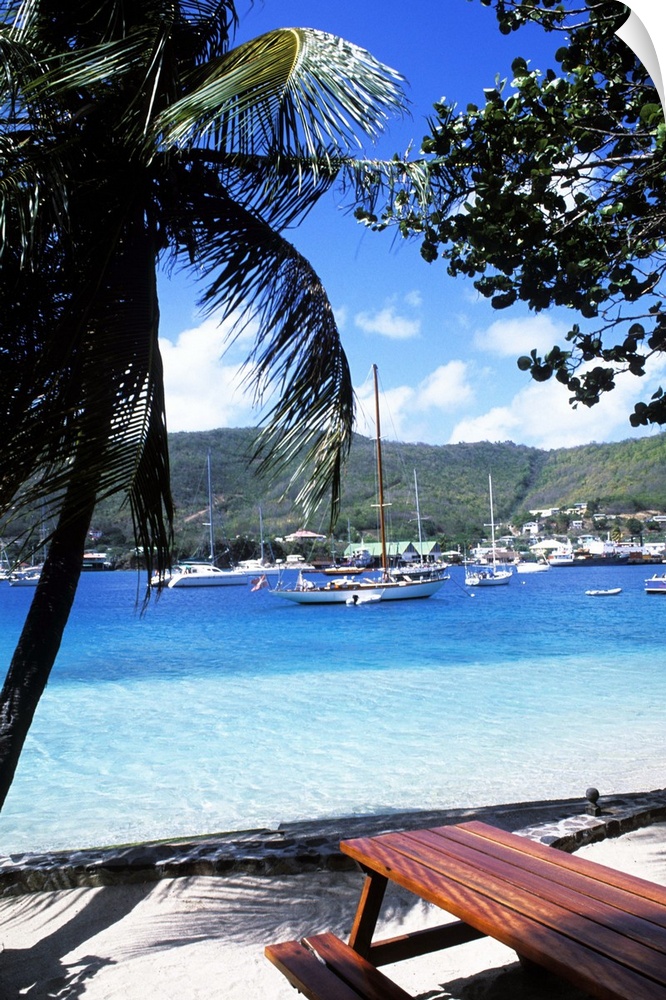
(602, 930)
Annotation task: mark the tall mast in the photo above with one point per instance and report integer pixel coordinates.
(210, 514)
(418, 516)
(380, 477)
(261, 537)
(492, 517)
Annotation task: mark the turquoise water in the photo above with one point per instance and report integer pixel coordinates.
(225, 709)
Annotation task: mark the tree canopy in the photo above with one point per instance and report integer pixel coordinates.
(553, 194)
(137, 136)
(133, 135)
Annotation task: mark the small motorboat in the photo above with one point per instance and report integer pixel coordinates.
(611, 592)
(656, 584)
(28, 577)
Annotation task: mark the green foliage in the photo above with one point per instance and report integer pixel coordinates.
(553, 194)
(623, 477)
(131, 135)
(136, 135)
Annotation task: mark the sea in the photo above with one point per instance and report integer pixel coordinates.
(225, 709)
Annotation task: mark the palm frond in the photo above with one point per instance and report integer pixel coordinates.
(81, 395)
(67, 73)
(213, 22)
(293, 89)
(297, 357)
(283, 189)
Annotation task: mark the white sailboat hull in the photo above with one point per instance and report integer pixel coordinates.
(321, 596)
(25, 577)
(403, 590)
(493, 578)
(205, 576)
(406, 590)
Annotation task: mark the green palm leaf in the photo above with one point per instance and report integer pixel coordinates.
(297, 365)
(99, 104)
(294, 89)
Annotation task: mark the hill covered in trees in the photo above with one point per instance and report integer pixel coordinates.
(627, 477)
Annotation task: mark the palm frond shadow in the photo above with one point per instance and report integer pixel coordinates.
(241, 911)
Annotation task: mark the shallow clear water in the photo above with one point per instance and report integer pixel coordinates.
(225, 709)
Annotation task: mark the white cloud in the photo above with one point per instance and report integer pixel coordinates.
(341, 316)
(414, 299)
(540, 415)
(387, 322)
(396, 407)
(447, 388)
(203, 391)
(498, 424)
(519, 335)
(410, 413)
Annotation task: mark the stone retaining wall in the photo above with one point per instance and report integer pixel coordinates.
(296, 847)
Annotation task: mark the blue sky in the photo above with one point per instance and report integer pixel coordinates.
(447, 360)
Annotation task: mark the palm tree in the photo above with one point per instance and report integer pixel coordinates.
(134, 137)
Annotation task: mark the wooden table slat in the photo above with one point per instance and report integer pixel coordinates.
(525, 846)
(641, 919)
(524, 924)
(604, 928)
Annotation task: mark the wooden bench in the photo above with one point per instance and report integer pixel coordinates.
(323, 967)
(602, 930)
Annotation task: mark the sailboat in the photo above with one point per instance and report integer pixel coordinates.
(422, 568)
(25, 576)
(204, 573)
(489, 576)
(389, 586)
(259, 565)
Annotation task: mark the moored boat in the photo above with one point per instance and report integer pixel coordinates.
(531, 567)
(610, 592)
(389, 585)
(488, 576)
(656, 584)
(259, 564)
(28, 577)
(192, 573)
(201, 572)
(563, 556)
(492, 575)
(249, 566)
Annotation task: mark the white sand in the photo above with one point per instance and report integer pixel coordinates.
(196, 938)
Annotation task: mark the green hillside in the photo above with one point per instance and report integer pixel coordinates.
(626, 478)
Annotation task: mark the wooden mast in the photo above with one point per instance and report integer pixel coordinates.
(492, 520)
(211, 528)
(380, 477)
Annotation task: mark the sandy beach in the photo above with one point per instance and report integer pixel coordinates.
(196, 937)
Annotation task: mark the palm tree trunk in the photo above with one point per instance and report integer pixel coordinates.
(40, 639)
